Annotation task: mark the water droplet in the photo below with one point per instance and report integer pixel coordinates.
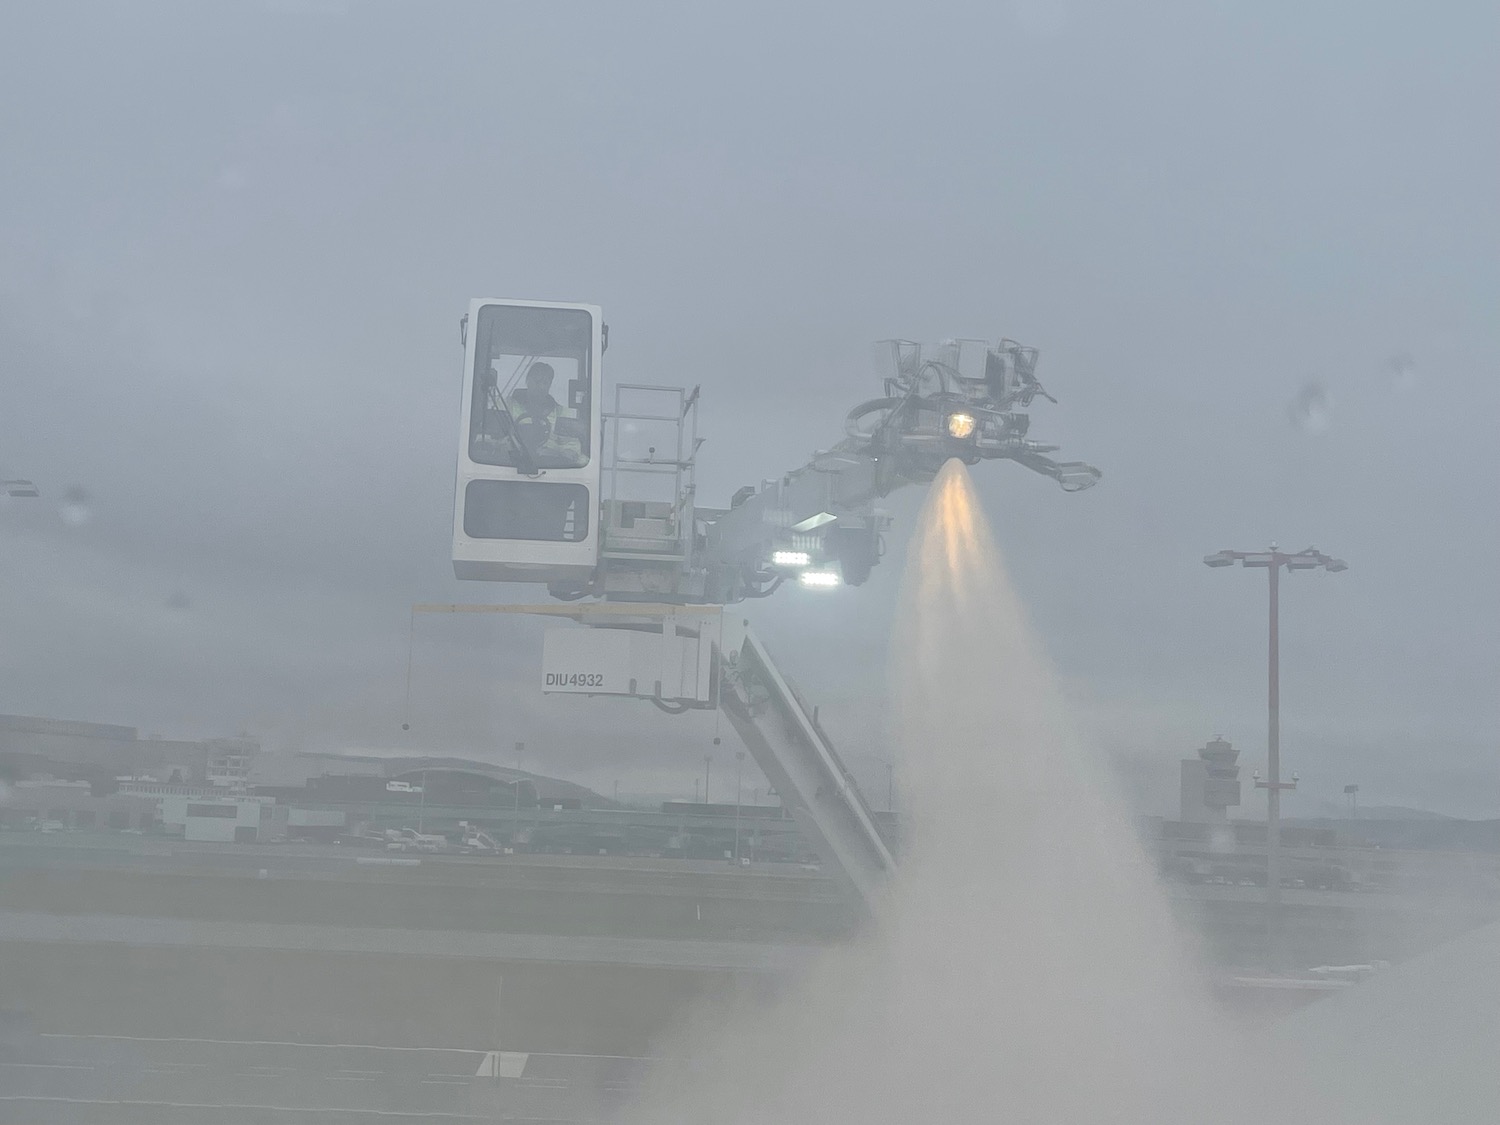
(1310, 410)
(75, 509)
(1401, 371)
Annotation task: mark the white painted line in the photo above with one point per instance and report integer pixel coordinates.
(258, 1043)
(489, 1066)
(575, 1055)
(49, 1066)
(138, 1104)
(483, 946)
(341, 1047)
(510, 1064)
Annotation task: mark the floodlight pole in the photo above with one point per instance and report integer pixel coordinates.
(1273, 784)
(739, 762)
(422, 803)
(1273, 560)
(515, 829)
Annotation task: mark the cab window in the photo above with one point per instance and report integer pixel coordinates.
(532, 407)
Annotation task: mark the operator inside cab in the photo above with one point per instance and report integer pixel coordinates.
(541, 423)
(531, 405)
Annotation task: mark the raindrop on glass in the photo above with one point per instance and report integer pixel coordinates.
(1401, 371)
(1309, 411)
(75, 509)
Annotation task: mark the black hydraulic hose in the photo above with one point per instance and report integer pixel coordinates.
(769, 590)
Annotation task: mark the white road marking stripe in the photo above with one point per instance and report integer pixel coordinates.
(256, 1043)
(339, 1046)
(502, 1064)
(49, 1066)
(576, 1055)
(273, 1108)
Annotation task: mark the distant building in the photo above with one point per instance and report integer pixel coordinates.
(29, 744)
(32, 747)
(72, 804)
(229, 761)
(1210, 784)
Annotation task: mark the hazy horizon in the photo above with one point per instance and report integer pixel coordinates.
(1257, 249)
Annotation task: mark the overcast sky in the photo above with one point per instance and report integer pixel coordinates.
(1257, 245)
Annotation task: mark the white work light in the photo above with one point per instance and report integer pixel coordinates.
(961, 425)
(790, 558)
(820, 579)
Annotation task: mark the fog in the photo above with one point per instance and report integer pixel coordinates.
(1256, 248)
(235, 245)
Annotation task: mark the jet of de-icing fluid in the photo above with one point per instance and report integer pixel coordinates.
(1024, 966)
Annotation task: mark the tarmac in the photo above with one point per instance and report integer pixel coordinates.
(84, 1079)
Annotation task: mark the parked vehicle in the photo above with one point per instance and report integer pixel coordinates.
(410, 840)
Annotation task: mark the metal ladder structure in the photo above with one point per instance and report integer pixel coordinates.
(798, 758)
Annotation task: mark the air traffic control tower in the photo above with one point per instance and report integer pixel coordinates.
(1210, 784)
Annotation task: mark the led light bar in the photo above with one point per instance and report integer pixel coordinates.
(820, 579)
(790, 558)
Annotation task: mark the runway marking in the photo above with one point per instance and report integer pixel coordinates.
(267, 1043)
(49, 1066)
(502, 1064)
(140, 1104)
(340, 1046)
(578, 1055)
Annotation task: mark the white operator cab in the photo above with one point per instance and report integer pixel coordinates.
(527, 503)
